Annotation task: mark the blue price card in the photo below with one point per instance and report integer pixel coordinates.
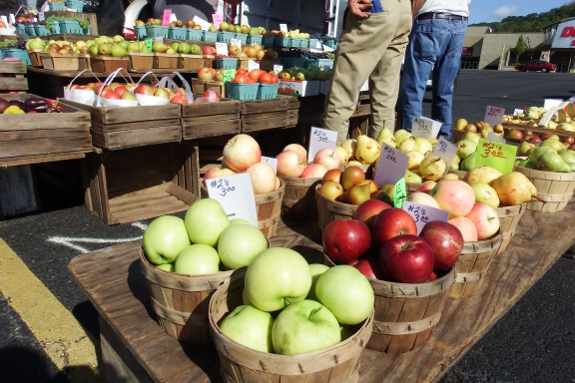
(391, 165)
(236, 195)
(422, 214)
(445, 150)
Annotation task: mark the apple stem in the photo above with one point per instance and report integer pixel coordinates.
(537, 198)
(288, 301)
(313, 313)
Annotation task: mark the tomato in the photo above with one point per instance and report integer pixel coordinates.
(241, 71)
(241, 78)
(274, 79)
(265, 78)
(255, 74)
(250, 81)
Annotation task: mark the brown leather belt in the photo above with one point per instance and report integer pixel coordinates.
(429, 15)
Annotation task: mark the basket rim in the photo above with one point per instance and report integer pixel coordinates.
(527, 171)
(468, 247)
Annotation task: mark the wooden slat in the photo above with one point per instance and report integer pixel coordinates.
(13, 83)
(45, 146)
(264, 121)
(202, 127)
(264, 106)
(28, 160)
(12, 67)
(25, 135)
(140, 137)
(131, 126)
(225, 106)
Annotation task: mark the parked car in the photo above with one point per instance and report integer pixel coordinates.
(537, 65)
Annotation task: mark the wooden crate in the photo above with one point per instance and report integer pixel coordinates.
(12, 76)
(140, 60)
(210, 119)
(36, 138)
(198, 86)
(190, 62)
(217, 87)
(141, 183)
(108, 64)
(18, 192)
(57, 62)
(35, 59)
(121, 128)
(264, 114)
(165, 61)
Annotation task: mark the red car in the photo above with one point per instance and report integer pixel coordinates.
(536, 65)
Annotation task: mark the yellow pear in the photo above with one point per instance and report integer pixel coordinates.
(514, 189)
(367, 150)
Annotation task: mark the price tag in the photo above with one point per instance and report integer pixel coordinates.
(550, 103)
(391, 166)
(320, 139)
(399, 193)
(493, 115)
(422, 214)
(222, 48)
(517, 111)
(425, 127)
(236, 43)
(202, 23)
(445, 150)
(253, 65)
(217, 20)
(278, 69)
(41, 16)
(166, 18)
(273, 162)
(284, 28)
(159, 39)
(495, 154)
(495, 138)
(228, 75)
(326, 48)
(148, 43)
(236, 195)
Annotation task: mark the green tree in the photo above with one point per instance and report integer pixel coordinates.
(519, 48)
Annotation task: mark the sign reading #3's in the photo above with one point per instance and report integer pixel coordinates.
(565, 35)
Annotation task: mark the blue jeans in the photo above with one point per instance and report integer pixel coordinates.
(433, 43)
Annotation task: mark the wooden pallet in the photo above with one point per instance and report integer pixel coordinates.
(141, 183)
(121, 128)
(35, 138)
(12, 76)
(201, 120)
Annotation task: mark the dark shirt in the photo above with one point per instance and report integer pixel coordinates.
(185, 9)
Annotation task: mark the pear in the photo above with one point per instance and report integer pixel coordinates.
(175, 46)
(465, 148)
(553, 137)
(471, 128)
(412, 177)
(401, 135)
(534, 155)
(468, 163)
(432, 168)
(117, 38)
(415, 159)
(367, 150)
(104, 49)
(118, 51)
(514, 189)
(124, 44)
(342, 154)
(455, 163)
(144, 49)
(93, 49)
(526, 164)
(556, 145)
(461, 124)
(423, 145)
(568, 156)
(407, 145)
(485, 194)
(450, 176)
(170, 51)
(552, 125)
(184, 48)
(483, 174)
(525, 146)
(434, 141)
(386, 135)
(566, 127)
(357, 194)
(551, 162)
(387, 189)
(159, 48)
(133, 47)
(349, 146)
(472, 136)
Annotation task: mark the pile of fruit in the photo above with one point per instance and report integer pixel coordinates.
(245, 29)
(479, 128)
(302, 74)
(292, 162)
(184, 48)
(551, 155)
(292, 34)
(20, 44)
(31, 105)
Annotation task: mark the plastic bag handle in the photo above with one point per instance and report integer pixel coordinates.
(189, 93)
(79, 74)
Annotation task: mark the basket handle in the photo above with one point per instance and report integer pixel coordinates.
(79, 74)
(147, 73)
(107, 82)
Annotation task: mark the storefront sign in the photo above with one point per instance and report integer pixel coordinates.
(565, 35)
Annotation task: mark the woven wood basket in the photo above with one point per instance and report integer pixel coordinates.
(472, 266)
(240, 364)
(181, 301)
(299, 202)
(556, 189)
(405, 313)
(329, 210)
(509, 217)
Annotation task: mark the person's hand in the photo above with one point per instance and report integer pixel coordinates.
(357, 8)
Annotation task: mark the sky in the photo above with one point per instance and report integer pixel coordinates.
(495, 10)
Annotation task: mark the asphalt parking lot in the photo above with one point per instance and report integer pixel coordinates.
(50, 330)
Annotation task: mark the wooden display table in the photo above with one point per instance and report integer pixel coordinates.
(12, 76)
(135, 348)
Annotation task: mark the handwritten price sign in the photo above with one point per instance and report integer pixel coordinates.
(273, 162)
(236, 195)
(399, 193)
(229, 75)
(425, 127)
(236, 43)
(495, 154)
(278, 69)
(148, 43)
(217, 19)
(391, 166)
(445, 150)
(422, 214)
(159, 39)
(167, 16)
(222, 48)
(493, 115)
(320, 139)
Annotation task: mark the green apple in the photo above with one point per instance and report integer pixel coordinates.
(249, 326)
(197, 259)
(277, 277)
(195, 49)
(164, 238)
(316, 270)
(347, 293)
(304, 326)
(239, 221)
(166, 267)
(205, 221)
(240, 244)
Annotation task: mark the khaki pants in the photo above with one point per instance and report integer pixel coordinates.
(369, 48)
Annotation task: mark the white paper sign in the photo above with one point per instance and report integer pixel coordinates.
(326, 48)
(4, 19)
(12, 19)
(273, 162)
(495, 138)
(550, 103)
(391, 165)
(253, 65)
(318, 45)
(422, 214)
(425, 127)
(201, 22)
(320, 139)
(236, 195)
(517, 111)
(41, 16)
(278, 69)
(158, 39)
(493, 115)
(236, 43)
(284, 28)
(222, 48)
(445, 150)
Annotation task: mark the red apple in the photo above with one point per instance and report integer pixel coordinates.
(328, 158)
(120, 90)
(445, 241)
(407, 259)
(544, 135)
(454, 196)
(179, 99)
(346, 240)
(485, 220)
(290, 164)
(567, 141)
(528, 132)
(534, 139)
(206, 74)
(314, 171)
(369, 266)
(110, 94)
(163, 93)
(298, 149)
(426, 187)
(211, 96)
(143, 89)
(241, 152)
(368, 211)
(208, 50)
(466, 227)
(390, 223)
(433, 276)
(332, 175)
(515, 134)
